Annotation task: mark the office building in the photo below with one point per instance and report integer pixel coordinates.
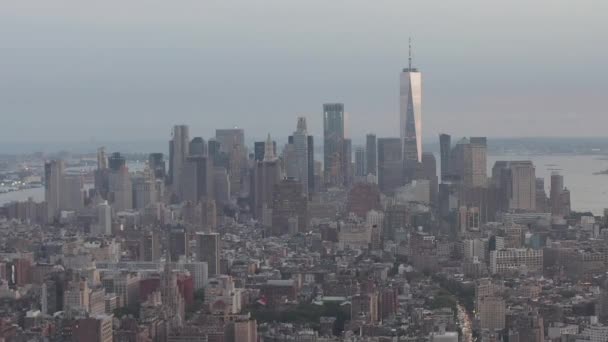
(197, 147)
(492, 312)
(300, 154)
(333, 141)
(516, 181)
(267, 173)
(178, 151)
(179, 245)
(197, 175)
(208, 247)
(232, 144)
(559, 196)
(429, 172)
(93, 329)
(371, 151)
(516, 260)
(289, 202)
(360, 163)
(479, 175)
(311, 164)
(445, 149)
(390, 164)
(347, 160)
(156, 163)
(53, 179)
(120, 193)
(72, 193)
(410, 109)
(103, 224)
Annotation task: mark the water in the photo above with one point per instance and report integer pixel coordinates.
(588, 192)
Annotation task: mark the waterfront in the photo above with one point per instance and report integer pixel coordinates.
(588, 192)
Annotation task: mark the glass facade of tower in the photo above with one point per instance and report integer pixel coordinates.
(410, 108)
(333, 140)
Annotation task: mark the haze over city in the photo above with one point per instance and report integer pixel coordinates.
(127, 71)
(318, 171)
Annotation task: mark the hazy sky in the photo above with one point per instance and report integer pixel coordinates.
(74, 70)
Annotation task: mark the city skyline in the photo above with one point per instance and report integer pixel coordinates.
(475, 70)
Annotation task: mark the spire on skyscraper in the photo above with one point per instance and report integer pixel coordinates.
(409, 53)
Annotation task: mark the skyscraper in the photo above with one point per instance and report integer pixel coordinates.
(197, 147)
(445, 147)
(120, 186)
(232, 143)
(53, 181)
(371, 151)
(178, 151)
(289, 204)
(517, 183)
(360, 163)
(410, 109)
(347, 162)
(178, 243)
(208, 250)
(390, 164)
(333, 141)
(479, 175)
(311, 164)
(266, 174)
(197, 176)
(300, 143)
(156, 163)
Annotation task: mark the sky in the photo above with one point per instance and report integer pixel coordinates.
(73, 70)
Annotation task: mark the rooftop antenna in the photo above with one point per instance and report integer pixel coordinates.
(410, 53)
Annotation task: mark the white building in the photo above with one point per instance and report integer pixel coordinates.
(516, 260)
(410, 109)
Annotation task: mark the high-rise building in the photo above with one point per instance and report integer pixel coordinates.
(197, 147)
(347, 161)
(103, 226)
(120, 193)
(288, 203)
(156, 163)
(116, 161)
(178, 243)
(197, 176)
(333, 141)
(208, 247)
(242, 331)
(53, 179)
(445, 147)
(311, 164)
(390, 164)
(360, 163)
(93, 329)
(300, 143)
(72, 193)
(178, 151)
(371, 151)
(559, 196)
(479, 175)
(410, 109)
(541, 196)
(144, 190)
(517, 181)
(267, 173)
(429, 172)
(150, 246)
(468, 162)
(232, 143)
